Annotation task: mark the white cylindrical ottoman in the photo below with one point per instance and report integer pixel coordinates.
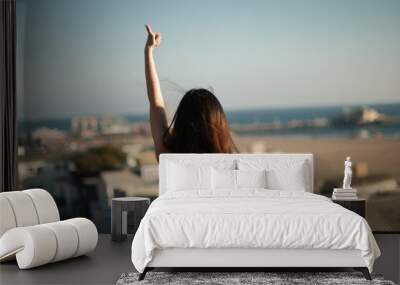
(40, 244)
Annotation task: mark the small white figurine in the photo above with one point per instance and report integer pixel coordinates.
(347, 173)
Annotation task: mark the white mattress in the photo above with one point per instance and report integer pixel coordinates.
(257, 219)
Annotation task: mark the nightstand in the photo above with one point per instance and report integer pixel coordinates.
(120, 208)
(358, 206)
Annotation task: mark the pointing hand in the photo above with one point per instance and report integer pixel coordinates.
(153, 38)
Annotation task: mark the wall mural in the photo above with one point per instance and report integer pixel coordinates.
(293, 76)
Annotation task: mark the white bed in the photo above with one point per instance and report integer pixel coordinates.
(279, 224)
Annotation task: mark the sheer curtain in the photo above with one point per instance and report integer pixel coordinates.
(8, 143)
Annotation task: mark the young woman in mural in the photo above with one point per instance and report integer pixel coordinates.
(199, 124)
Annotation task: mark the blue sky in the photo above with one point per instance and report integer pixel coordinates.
(86, 56)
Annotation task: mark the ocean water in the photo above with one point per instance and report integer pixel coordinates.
(283, 115)
(305, 113)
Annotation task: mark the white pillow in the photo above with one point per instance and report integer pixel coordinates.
(223, 179)
(251, 178)
(282, 174)
(291, 179)
(227, 179)
(188, 177)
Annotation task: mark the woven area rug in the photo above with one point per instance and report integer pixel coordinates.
(232, 278)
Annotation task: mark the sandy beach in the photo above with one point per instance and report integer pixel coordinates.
(382, 155)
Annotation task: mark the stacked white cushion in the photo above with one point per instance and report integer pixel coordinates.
(31, 232)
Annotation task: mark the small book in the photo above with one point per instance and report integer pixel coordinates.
(345, 194)
(341, 190)
(334, 197)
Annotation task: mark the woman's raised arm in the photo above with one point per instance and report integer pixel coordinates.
(158, 117)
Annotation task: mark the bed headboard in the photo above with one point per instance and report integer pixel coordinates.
(193, 157)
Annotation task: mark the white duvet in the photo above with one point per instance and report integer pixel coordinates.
(250, 219)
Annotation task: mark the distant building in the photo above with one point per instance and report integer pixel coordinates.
(30, 168)
(46, 136)
(148, 166)
(369, 115)
(126, 183)
(360, 116)
(90, 126)
(149, 173)
(141, 128)
(113, 125)
(132, 151)
(33, 168)
(85, 126)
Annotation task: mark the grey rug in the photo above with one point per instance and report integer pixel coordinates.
(232, 278)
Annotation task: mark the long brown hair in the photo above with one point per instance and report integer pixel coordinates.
(199, 126)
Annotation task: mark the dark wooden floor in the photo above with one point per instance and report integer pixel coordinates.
(110, 259)
(103, 266)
